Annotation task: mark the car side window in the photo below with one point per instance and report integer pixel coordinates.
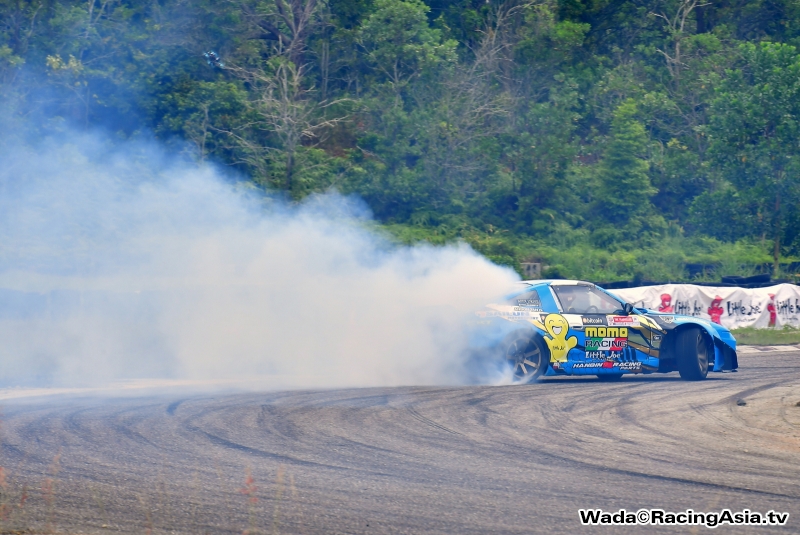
(529, 299)
(586, 300)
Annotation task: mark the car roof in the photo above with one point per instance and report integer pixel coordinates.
(557, 282)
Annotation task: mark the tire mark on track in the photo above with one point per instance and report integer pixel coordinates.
(750, 391)
(413, 412)
(280, 458)
(172, 407)
(125, 428)
(390, 456)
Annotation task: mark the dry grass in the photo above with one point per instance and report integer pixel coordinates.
(17, 518)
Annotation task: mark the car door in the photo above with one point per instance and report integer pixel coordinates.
(605, 334)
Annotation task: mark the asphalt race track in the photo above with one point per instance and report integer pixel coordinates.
(511, 459)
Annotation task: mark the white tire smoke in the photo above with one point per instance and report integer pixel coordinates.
(119, 263)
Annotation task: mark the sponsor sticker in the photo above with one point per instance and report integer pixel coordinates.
(609, 365)
(580, 365)
(606, 338)
(667, 319)
(606, 332)
(594, 320)
(606, 344)
(516, 313)
(604, 355)
(624, 321)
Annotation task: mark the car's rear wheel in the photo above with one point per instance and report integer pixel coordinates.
(609, 376)
(525, 355)
(692, 351)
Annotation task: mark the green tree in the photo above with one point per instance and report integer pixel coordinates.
(201, 112)
(400, 44)
(537, 154)
(680, 67)
(285, 121)
(623, 191)
(17, 26)
(755, 131)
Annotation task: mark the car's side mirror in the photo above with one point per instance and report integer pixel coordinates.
(627, 308)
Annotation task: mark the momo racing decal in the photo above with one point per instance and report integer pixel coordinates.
(606, 338)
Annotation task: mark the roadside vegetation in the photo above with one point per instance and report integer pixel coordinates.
(767, 337)
(607, 140)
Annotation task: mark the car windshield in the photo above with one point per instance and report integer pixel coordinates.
(586, 300)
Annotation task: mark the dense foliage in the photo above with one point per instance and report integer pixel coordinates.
(608, 139)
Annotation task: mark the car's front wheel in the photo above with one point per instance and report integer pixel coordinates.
(526, 356)
(692, 350)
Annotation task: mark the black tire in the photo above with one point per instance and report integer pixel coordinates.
(608, 377)
(526, 356)
(692, 352)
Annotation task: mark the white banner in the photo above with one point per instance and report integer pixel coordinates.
(774, 306)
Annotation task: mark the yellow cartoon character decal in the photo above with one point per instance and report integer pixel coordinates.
(557, 327)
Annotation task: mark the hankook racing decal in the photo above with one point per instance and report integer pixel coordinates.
(609, 365)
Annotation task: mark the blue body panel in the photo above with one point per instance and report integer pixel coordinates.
(721, 336)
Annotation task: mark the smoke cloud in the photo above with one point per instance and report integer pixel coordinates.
(121, 262)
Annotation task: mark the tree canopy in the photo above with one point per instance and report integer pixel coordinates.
(607, 139)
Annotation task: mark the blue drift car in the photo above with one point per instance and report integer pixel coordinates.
(560, 327)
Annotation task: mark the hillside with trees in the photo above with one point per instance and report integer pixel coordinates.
(606, 139)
